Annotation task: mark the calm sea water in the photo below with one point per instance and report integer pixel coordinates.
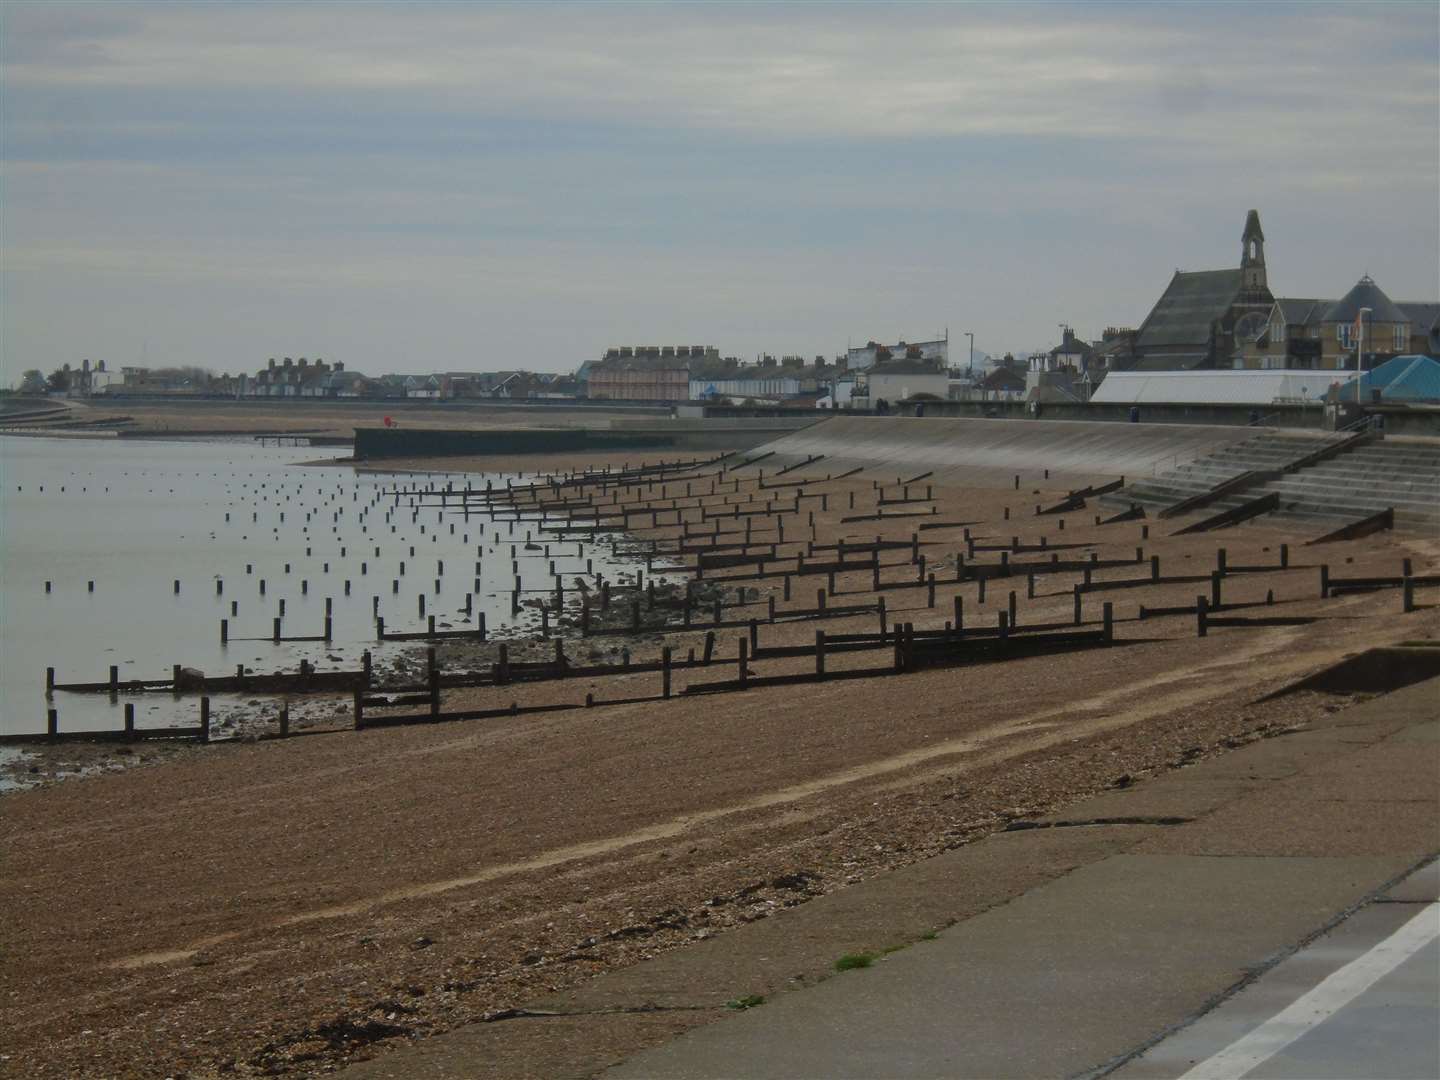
(134, 516)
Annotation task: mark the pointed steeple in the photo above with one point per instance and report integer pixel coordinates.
(1252, 252)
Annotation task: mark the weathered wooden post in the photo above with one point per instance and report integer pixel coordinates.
(433, 676)
(1220, 560)
(502, 665)
(367, 665)
(1029, 586)
(129, 720)
(1202, 624)
(204, 719)
(52, 722)
(1154, 567)
(1002, 623)
(665, 672)
(1407, 594)
(1216, 576)
(379, 627)
(1013, 620)
(1284, 556)
(980, 582)
(275, 630)
(1079, 599)
(744, 671)
(880, 608)
(1107, 617)
(709, 646)
(819, 599)
(1324, 581)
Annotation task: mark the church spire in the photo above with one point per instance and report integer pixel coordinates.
(1252, 252)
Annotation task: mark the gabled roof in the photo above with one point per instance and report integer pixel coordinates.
(1300, 311)
(1003, 379)
(1176, 334)
(1423, 315)
(1365, 294)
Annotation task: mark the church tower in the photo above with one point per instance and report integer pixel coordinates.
(1252, 254)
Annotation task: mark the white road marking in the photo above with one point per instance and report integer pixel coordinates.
(1322, 1002)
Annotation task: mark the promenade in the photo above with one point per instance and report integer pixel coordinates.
(1068, 948)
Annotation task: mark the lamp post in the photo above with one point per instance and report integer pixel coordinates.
(971, 368)
(1360, 338)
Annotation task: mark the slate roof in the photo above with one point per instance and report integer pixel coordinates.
(1424, 316)
(1176, 334)
(1365, 294)
(1003, 379)
(1302, 312)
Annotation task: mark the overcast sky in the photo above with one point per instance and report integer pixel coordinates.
(409, 187)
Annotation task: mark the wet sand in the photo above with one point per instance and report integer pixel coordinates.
(252, 909)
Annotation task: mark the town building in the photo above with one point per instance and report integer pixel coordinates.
(871, 353)
(900, 380)
(1316, 334)
(292, 378)
(1203, 314)
(1204, 387)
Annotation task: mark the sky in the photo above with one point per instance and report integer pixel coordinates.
(414, 187)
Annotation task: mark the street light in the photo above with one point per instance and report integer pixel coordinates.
(971, 368)
(1360, 338)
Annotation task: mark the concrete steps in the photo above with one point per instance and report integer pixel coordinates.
(1354, 484)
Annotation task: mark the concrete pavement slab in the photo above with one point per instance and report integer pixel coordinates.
(1378, 799)
(1064, 979)
(1421, 887)
(1390, 1031)
(602, 1021)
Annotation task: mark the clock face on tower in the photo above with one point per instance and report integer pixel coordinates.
(1249, 327)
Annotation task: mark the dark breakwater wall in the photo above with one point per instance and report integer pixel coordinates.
(373, 443)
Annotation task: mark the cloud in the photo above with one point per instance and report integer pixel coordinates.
(932, 163)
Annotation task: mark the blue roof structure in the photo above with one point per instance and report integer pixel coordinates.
(1402, 378)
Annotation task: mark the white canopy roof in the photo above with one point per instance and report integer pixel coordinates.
(1216, 387)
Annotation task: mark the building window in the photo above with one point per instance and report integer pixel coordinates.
(1401, 336)
(1345, 334)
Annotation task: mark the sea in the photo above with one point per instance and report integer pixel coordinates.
(130, 552)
